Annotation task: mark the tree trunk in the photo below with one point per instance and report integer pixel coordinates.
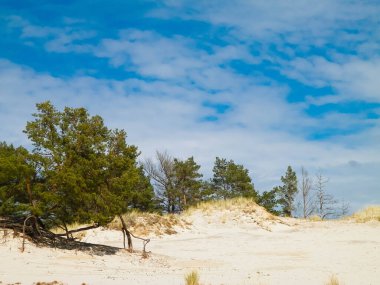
(127, 233)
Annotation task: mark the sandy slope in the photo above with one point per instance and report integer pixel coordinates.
(223, 247)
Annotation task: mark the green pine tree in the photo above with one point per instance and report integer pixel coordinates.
(89, 172)
(288, 191)
(231, 180)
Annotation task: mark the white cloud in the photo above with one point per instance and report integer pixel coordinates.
(63, 39)
(175, 59)
(163, 106)
(354, 79)
(293, 21)
(346, 31)
(257, 132)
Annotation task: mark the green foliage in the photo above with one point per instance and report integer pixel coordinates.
(288, 191)
(177, 182)
(16, 175)
(89, 172)
(231, 180)
(187, 182)
(270, 201)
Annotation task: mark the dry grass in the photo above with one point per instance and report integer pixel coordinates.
(78, 236)
(333, 281)
(315, 218)
(145, 224)
(371, 213)
(192, 278)
(240, 209)
(244, 210)
(49, 283)
(247, 205)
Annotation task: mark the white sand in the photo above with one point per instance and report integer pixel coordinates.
(223, 250)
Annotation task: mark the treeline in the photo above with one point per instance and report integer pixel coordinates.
(81, 171)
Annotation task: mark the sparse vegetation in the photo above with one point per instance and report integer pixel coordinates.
(239, 209)
(371, 213)
(145, 224)
(49, 283)
(333, 281)
(315, 218)
(246, 204)
(78, 236)
(192, 278)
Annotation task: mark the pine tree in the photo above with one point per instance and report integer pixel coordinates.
(17, 178)
(187, 182)
(288, 191)
(270, 201)
(231, 180)
(177, 182)
(89, 172)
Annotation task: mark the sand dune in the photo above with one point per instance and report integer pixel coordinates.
(225, 246)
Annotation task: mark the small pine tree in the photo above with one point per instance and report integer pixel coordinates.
(288, 191)
(269, 200)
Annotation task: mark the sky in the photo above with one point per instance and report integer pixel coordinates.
(265, 83)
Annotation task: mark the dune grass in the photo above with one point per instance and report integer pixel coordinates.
(144, 224)
(333, 281)
(245, 205)
(314, 218)
(74, 226)
(370, 213)
(192, 278)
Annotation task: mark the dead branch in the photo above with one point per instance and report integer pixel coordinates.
(78, 230)
(23, 232)
(126, 233)
(145, 242)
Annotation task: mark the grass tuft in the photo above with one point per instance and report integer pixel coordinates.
(192, 278)
(333, 281)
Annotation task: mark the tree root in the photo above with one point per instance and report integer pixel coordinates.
(43, 237)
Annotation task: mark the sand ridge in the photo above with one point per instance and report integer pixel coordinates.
(224, 246)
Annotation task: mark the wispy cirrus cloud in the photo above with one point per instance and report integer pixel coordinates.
(63, 39)
(295, 22)
(353, 79)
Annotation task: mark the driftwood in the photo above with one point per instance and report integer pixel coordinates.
(145, 242)
(128, 234)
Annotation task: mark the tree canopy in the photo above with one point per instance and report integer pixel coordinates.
(78, 171)
(231, 180)
(81, 171)
(178, 182)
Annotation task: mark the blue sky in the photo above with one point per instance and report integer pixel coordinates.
(266, 83)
